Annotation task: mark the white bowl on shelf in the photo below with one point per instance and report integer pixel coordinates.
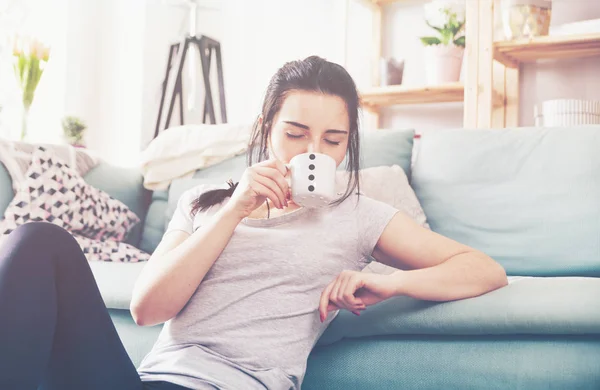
(567, 112)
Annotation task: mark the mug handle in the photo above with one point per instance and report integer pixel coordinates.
(288, 175)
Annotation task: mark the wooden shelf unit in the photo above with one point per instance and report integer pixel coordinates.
(491, 85)
(377, 97)
(492, 74)
(512, 53)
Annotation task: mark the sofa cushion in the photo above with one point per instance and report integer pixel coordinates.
(154, 224)
(528, 305)
(6, 191)
(528, 197)
(115, 282)
(386, 147)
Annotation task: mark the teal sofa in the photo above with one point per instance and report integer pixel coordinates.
(528, 197)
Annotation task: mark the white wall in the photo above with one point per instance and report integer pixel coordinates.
(257, 37)
(118, 52)
(262, 35)
(165, 25)
(105, 71)
(47, 23)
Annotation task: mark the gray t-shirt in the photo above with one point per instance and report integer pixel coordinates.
(254, 319)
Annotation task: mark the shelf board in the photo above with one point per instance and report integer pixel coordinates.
(397, 94)
(512, 53)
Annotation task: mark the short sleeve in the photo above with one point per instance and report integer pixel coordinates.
(182, 217)
(373, 217)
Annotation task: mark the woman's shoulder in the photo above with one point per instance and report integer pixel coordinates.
(186, 196)
(197, 190)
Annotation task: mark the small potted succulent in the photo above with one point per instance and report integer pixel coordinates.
(74, 129)
(444, 51)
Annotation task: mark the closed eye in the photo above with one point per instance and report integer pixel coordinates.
(301, 135)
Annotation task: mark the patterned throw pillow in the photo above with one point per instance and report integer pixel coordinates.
(16, 157)
(110, 250)
(55, 193)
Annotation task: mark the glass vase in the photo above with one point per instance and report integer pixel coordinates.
(24, 123)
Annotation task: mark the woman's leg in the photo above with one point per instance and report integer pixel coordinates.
(55, 330)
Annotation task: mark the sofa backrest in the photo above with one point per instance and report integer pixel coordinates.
(528, 197)
(6, 190)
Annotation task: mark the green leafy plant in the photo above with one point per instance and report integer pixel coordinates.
(451, 32)
(73, 128)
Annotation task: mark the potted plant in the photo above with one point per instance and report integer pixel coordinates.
(73, 129)
(445, 50)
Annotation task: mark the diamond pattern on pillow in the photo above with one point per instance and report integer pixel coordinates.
(110, 250)
(54, 192)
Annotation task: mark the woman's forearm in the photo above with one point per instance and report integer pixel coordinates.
(463, 276)
(173, 278)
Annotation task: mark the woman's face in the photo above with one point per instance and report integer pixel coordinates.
(310, 122)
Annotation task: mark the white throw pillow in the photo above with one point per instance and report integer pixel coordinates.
(390, 185)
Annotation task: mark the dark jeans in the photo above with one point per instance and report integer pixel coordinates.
(55, 331)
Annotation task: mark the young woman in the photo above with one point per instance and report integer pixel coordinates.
(244, 279)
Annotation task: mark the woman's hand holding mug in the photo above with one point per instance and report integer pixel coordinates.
(308, 180)
(262, 181)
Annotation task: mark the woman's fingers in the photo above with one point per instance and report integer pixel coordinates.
(276, 176)
(339, 294)
(280, 200)
(342, 293)
(265, 191)
(324, 301)
(273, 163)
(345, 293)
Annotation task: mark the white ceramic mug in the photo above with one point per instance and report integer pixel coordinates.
(312, 179)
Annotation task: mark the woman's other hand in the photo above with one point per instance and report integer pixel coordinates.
(354, 291)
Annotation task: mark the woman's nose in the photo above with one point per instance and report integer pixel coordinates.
(313, 147)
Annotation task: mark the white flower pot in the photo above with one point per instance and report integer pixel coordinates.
(443, 64)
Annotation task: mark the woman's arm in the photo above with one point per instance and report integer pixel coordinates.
(178, 266)
(438, 268)
(181, 260)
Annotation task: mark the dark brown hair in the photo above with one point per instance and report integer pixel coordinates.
(313, 74)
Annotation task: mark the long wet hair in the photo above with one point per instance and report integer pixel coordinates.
(313, 74)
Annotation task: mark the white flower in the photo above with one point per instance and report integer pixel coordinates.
(434, 11)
